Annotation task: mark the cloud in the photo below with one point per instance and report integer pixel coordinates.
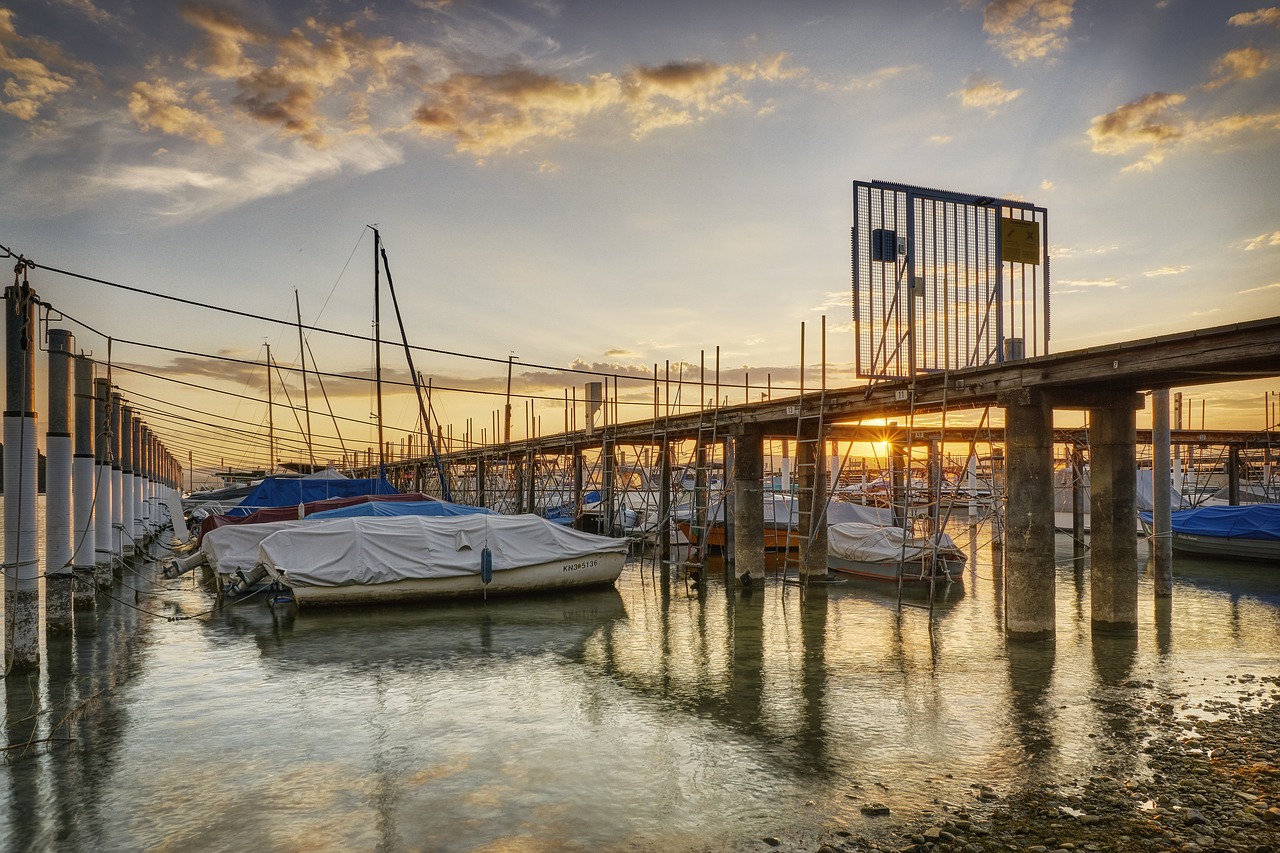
(1269, 16)
(1275, 286)
(940, 139)
(1090, 282)
(1259, 242)
(1059, 252)
(1156, 123)
(1169, 270)
(1024, 30)
(1241, 64)
(982, 92)
(160, 105)
(504, 111)
(30, 70)
(211, 180)
(307, 82)
(1047, 185)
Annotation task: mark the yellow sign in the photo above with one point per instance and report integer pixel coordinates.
(1019, 241)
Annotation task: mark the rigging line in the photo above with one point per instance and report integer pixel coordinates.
(309, 327)
(312, 372)
(197, 431)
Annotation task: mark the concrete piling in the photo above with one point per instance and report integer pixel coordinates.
(21, 567)
(57, 508)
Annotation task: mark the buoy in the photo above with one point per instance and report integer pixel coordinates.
(486, 565)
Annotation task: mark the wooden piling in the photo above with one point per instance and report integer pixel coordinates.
(102, 486)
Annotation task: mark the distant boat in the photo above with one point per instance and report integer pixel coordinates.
(781, 521)
(883, 552)
(353, 561)
(1246, 532)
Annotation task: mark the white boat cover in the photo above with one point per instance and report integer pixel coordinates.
(872, 543)
(235, 546)
(384, 550)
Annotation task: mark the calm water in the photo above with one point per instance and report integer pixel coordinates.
(648, 717)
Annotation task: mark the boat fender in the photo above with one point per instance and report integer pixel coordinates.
(486, 565)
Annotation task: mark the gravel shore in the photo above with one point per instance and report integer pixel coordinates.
(1202, 777)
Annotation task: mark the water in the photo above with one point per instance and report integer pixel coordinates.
(632, 719)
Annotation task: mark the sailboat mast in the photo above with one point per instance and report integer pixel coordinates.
(377, 348)
(306, 403)
(271, 424)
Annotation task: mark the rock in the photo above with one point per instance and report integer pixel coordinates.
(1272, 814)
(875, 809)
(1191, 817)
(771, 841)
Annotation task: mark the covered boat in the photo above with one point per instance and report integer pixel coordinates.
(1246, 532)
(884, 552)
(415, 558)
(781, 520)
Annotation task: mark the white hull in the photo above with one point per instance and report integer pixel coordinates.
(1226, 548)
(557, 575)
(944, 571)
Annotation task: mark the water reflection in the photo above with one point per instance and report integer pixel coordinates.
(658, 715)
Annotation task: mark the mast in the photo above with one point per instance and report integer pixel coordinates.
(271, 426)
(377, 348)
(306, 403)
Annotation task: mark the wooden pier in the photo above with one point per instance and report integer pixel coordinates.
(1109, 382)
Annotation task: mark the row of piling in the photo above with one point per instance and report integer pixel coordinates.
(108, 480)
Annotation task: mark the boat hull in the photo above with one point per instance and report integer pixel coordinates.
(943, 571)
(593, 570)
(1226, 548)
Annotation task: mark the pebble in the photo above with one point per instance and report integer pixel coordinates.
(1215, 792)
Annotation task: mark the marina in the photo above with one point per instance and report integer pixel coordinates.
(647, 716)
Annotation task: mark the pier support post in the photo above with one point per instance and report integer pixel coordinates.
(1079, 500)
(664, 504)
(138, 532)
(127, 538)
(102, 488)
(481, 474)
(579, 480)
(117, 489)
(21, 565)
(58, 592)
(1029, 572)
(728, 491)
(82, 476)
(1162, 499)
(748, 505)
(1113, 513)
(811, 489)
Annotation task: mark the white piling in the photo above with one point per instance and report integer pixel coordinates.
(117, 486)
(57, 505)
(102, 488)
(82, 483)
(139, 481)
(21, 566)
(126, 481)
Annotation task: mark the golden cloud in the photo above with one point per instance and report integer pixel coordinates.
(1269, 15)
(1241, 64)
(1024, 30)
(1151, 121)
(489, 113)
(160, 105)
(288, 80)
(29, 81)
(1260, 242)
(981, 92)
(1154, 122)
(1169, 270)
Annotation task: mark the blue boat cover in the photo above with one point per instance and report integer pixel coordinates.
(290, 491)
(1247, 521)
(392, 508)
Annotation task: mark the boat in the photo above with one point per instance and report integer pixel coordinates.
(885, 552)
(353, 561)
(781, 521)
(1245, 532)
(231, 550)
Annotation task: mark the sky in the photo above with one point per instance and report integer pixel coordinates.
(604, 186)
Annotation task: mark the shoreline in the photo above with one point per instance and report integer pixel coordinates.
(1211, 783)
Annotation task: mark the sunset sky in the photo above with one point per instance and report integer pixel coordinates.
(607, 186)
